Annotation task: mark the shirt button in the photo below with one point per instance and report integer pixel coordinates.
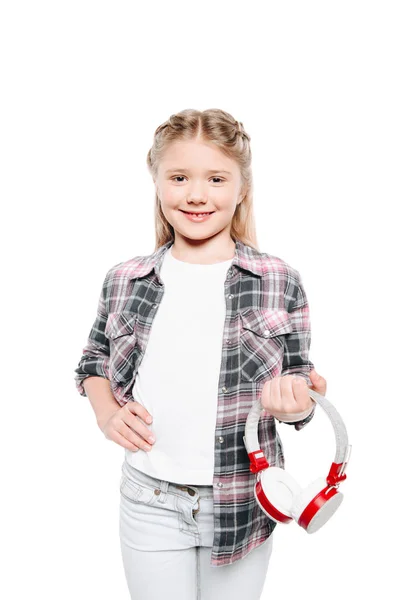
(220, 439)
(154, 305)
(230, 296)
(219, 484)
(228, 341)
(224, 389)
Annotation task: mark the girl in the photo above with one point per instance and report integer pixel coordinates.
(163, 389)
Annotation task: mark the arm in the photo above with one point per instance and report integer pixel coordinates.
(98, 390)
(96, 353)
(297, 346)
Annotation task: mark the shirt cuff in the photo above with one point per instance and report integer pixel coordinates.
(285, 418)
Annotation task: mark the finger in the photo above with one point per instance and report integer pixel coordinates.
(300, 393)
(320, 385)
(132, 436)
(137, 426)
(289, 403)
(275, 398)
(122, 441)
(265, 396)
(138, 409)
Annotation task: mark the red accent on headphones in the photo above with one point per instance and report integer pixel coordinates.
(258, 462)
(271, 510)
(333, 475)
(316, 503)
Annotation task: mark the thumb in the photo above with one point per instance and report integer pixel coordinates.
(318, 382)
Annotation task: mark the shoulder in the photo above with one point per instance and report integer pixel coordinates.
(275, 265)
(122, 272)
(127, 268)
(118, 281)
(278, 274)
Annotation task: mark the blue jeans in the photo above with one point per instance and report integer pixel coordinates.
(166, 536)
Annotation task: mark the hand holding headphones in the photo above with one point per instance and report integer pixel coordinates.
(281, 396)
(279, 495)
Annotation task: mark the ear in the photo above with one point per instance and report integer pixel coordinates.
(242, 193)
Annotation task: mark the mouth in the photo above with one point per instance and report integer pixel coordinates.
(187, 212)
(197, 217)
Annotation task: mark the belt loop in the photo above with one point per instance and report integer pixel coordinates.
(164, 491)
(196, 510)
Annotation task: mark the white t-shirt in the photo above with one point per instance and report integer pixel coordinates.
(177, 380)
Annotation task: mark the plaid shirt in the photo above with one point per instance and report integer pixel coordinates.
(266, 334)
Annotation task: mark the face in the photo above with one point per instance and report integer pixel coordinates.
(195, 176)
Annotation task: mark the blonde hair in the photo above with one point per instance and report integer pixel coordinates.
(220, 128)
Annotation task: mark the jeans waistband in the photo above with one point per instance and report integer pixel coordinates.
(150, 481)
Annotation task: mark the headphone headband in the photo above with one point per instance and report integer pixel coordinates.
(343, 449)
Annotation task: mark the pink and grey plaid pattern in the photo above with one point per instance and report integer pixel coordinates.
(266, 334)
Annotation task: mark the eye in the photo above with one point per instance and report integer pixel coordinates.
(182, 177)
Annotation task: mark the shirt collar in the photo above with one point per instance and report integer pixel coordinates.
(246, 257)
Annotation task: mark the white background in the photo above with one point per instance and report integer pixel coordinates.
(84, 86)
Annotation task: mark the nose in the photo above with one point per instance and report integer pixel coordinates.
(197, 192)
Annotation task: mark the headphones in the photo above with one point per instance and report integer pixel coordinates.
(279, 495)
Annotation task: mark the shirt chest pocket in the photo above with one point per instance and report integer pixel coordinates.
(262, 342)
(121, 331)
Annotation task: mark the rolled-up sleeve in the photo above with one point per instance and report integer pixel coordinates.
(96, 353)
(297, 345)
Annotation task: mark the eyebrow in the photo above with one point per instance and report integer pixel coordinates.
(187, 170)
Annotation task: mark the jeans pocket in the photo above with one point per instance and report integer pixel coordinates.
(187, 518)
(134, 491)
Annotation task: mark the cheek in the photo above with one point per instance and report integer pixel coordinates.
(171, 197)
(225, 199)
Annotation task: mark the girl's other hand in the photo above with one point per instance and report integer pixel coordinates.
(126, 427)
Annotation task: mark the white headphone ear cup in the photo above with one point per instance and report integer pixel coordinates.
(324, 512)
(306, 495)
(280, 489)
